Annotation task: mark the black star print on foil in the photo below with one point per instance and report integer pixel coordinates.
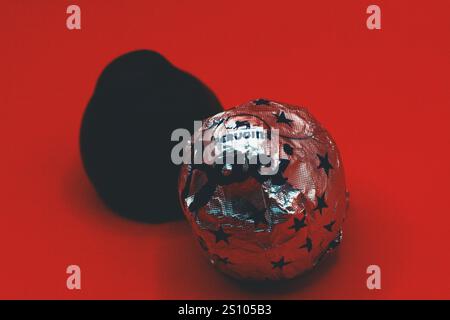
(324, 163)
(217, 123)
(298, 224)
(280, 263)
(329, 226)
(281, 118)
(335, 243)
(224, 260)
(202, 244)
(288, 149)
(321, 204)
(260, 102)
(221, 235)
(308, 245)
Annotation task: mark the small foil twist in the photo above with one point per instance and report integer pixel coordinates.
(258, 227)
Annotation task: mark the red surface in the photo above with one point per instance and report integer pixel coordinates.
(382, 94)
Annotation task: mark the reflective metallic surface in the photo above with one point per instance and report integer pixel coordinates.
(253, 226)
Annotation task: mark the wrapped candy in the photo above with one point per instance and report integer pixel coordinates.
(253, 223)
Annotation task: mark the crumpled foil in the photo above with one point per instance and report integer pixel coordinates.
(254, 226)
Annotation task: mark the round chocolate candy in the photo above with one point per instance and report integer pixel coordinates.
(254, 222)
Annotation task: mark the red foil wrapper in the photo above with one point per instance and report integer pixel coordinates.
(254, 226)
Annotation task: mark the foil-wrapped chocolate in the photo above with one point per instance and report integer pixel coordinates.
(268, 199)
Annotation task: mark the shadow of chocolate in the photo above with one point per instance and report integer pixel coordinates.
(125, 137)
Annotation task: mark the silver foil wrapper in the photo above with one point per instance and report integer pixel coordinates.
(256, 226)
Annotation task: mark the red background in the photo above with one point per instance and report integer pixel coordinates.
(382, 94)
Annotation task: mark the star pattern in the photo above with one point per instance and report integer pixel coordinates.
(260, 102)
(308, 245)
(202, 244)
(321, 204)
(298, 224)
(324, 163)
(288, 149)
(280, 263)
(281, 118)
(221, 235)
(217, 123)
(224, 260)
(335, 243)
(265, 217)
(329, 226)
